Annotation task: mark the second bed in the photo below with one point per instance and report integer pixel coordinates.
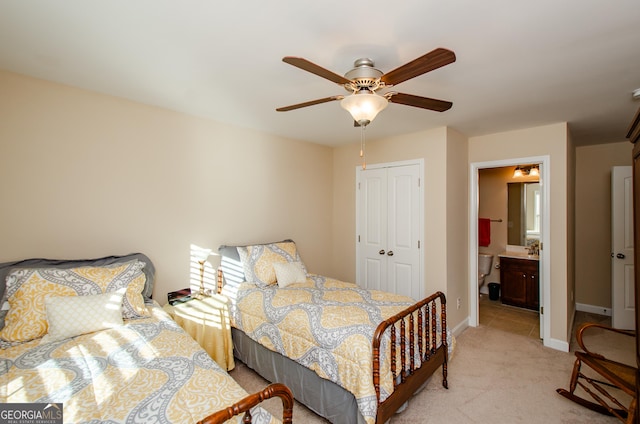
(351, 355)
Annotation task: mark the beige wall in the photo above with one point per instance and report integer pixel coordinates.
(457, 225)
(87, 175)
(551, 140)
(571, 234)
(446, 206)
(593, 220)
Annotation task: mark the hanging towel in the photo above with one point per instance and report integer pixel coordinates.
(484, 231)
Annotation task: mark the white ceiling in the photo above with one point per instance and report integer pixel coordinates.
(519, 64)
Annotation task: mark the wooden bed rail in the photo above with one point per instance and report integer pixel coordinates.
(275, 389)
(409, 376)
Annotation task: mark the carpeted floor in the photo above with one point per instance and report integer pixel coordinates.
(494, 377)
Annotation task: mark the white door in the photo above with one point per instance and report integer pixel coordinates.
(622, 280)
(403, 250)
(372, 223)
(389, 230)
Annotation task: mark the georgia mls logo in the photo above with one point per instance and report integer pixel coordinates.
(57, 407)
(30, 413)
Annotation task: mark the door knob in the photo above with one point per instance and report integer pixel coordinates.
(390, 253)
(620, 256)
(381, 252)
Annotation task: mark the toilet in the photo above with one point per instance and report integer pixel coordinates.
(484, 267)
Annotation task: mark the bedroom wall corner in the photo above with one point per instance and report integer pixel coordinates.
(457, 238)
(343, 259)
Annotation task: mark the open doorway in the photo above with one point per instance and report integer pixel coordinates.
(542, 231)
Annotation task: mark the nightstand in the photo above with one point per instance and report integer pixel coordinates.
(207, 321)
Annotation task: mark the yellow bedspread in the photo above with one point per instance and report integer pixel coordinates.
(148, 370)
(326, 325)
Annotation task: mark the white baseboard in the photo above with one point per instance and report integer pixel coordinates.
(592, 309)
(556, 344)
(458, 329)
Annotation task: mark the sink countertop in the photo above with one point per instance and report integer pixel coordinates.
(519, 255)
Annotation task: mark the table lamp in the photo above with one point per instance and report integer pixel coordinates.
(201, 256)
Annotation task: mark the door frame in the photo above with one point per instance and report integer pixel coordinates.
(420, 163)
(545, 253)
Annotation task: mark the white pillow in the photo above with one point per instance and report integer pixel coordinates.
(289, 273)
(70, 316)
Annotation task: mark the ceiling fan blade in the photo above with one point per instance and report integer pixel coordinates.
(430, 61)
(309, 103)
(417, 101)
(305, 65)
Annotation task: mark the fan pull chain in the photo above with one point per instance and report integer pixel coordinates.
(362, 146)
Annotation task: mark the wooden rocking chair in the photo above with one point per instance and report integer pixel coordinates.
(615, 375)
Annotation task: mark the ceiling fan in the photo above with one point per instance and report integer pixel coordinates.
(364, 80)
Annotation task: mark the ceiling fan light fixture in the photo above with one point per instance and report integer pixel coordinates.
(364, 106)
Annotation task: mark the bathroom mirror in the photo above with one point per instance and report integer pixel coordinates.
(523, 212)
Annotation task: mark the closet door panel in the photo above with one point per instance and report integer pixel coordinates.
(403, 214)
(373, 273)
(400, 277)
(373, 229)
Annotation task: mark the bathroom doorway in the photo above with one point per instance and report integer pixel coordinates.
(542, 163)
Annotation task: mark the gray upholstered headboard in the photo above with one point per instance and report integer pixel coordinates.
(231, 265)
(149, 269)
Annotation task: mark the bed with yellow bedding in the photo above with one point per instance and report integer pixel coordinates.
(117, 367)
(376, 347)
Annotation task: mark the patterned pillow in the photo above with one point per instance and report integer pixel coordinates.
(257, 260)
(98, 312)
(27, 290)
(289, 273)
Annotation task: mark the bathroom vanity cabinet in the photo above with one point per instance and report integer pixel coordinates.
(519, 282)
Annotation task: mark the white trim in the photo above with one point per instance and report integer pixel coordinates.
(556, 344)
(458, 329)
(545, 253)
(420, 163)
(593, 309)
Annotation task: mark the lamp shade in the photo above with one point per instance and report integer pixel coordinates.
(517, 173)
(364, 106)
(201, 255)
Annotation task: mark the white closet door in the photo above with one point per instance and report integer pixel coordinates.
(403, 255)
(388, 252)
(622, 249)
(373, 229)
